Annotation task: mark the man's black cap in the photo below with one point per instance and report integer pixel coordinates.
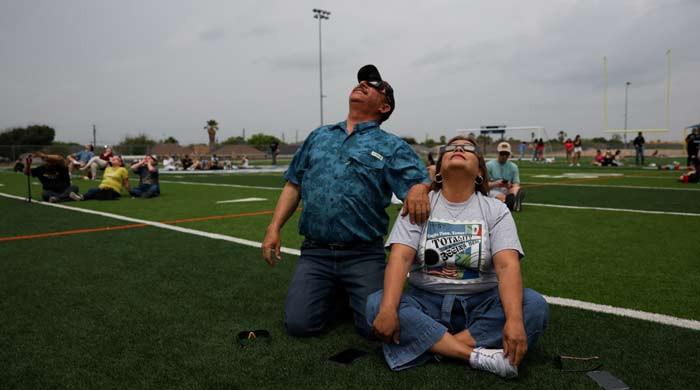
(371, 73)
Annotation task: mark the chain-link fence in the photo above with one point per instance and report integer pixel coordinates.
(14, 152)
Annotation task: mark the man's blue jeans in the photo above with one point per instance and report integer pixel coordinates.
(319, 272)
(425, 317)
(639, 155)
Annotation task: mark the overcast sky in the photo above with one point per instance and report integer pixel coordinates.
(165, 67)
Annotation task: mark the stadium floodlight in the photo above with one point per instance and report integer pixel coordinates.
(320, 14)
(627, 87)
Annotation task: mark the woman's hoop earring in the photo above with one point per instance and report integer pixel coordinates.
(479, 180)
(438, 178)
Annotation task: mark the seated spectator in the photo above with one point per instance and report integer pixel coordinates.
(466, 299)
(691, 176)
(617, 158)
(101, 162)
(114, 179)
(81, 158)
(54, 178)
(505, 179)
(19, 166)
(169, 164)
(147, 169)
(178, 163)
(186, 162)
(214, 163)
(608, 159)
(228, 165)
(598, 159)
(674, 166)
(245, 163)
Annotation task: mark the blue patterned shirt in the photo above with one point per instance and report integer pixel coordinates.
(347, 180)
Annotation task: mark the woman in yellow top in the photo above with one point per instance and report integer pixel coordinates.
(115, 177)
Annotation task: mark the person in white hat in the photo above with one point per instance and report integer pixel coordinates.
(505, 179)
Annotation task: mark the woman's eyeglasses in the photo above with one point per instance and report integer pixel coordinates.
(463, 148)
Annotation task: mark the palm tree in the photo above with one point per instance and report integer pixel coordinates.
(211, 128)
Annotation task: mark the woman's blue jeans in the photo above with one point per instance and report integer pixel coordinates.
(426, 316)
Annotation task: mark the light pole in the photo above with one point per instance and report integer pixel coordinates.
(627, 86)
(320, 15)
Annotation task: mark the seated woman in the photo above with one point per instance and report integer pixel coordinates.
(114, 178)
(466, 299)
(101, 162)
(599, 158)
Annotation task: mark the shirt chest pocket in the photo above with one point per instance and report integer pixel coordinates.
(366, 162)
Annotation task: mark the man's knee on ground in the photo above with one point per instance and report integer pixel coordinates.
(300, 325)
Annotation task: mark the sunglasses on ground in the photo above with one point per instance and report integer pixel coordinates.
(578, 364)
(247, 337)
(463, 148)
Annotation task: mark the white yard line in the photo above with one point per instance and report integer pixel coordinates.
(524, 184)
(221, 185)
(637, 314)
(242, 200)
(559, 206)
(200, 233)
(613, 186)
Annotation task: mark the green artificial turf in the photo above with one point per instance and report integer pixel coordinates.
(153, 308)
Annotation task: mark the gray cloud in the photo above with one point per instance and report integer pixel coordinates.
(254, 65)
(211, 35)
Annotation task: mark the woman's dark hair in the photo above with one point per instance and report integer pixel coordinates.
(91, 147)
(484, 186)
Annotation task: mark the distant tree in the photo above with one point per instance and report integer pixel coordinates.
(484, 139)
(139, 144)
(30, 135)
(443, 140)
(262, 141)
(64, 148)
(429, 142)
(599, 140)
(409, 140)
(234, 141)
(25, 139)
(472, 135)
(170, 140)
(615, 141)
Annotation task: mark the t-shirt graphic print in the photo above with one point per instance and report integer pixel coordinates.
(452, 250)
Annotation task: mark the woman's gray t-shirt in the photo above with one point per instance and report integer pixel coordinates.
(454, 248)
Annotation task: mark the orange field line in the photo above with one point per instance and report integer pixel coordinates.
(131, 226)
(74, 231)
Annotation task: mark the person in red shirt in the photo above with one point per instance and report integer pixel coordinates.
(569, 147)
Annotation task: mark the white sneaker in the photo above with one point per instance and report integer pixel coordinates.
(53, 199)
(493, 361)
(571, 165)
(75, 197)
